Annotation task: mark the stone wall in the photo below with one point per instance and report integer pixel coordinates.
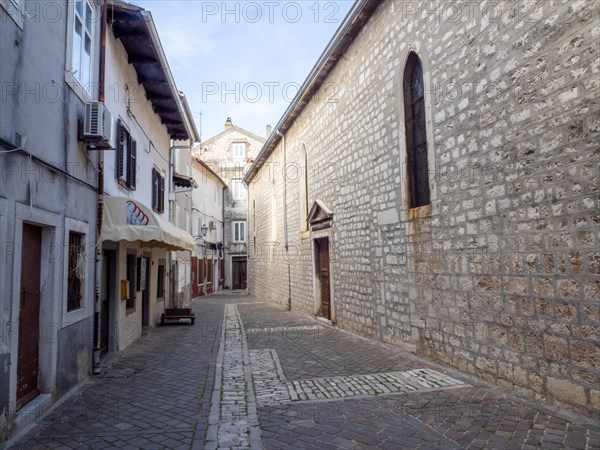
(217, 153)
(500, 276)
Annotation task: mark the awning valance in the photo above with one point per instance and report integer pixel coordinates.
(128, 220)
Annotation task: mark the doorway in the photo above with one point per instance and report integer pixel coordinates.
(108, 294)
(323, 276)
(145, 288)
(239, 269)
(28, 364)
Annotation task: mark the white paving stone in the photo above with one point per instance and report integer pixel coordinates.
(233, 418)
(272, 387)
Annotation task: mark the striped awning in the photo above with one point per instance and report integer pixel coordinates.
(127, 220)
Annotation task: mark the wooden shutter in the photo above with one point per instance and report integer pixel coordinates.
(131, 176)
(120, 156)
(161, 193)
(154, 189)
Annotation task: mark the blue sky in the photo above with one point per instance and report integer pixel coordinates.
(243, 59)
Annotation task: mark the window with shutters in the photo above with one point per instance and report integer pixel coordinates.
(76, 271)
(158, 191)
(239, 190)
(239, 150)
(416, 136)
(126, 166)
(82, 47)
(239, 231)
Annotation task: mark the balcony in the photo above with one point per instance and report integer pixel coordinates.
(237, 248)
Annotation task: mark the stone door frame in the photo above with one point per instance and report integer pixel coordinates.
(320, 222)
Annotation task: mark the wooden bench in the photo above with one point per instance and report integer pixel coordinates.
(176, 314)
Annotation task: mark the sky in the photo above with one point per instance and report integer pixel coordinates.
(243, 59)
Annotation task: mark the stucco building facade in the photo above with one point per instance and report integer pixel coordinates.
(439, 191)
(208, 261)
(230, 154)
(85, 139)
(144, 177)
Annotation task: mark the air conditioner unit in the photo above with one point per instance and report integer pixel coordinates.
(97, 127)
(211, 225)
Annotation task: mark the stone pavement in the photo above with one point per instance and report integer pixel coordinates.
(248, 375)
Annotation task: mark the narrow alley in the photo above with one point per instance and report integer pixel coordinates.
(248, 375)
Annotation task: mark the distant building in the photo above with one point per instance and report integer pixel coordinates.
(447, 193)
(230, 154)
(208, 224)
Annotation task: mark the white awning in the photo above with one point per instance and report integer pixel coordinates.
(128, 220)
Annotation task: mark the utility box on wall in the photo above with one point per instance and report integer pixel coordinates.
(124, 290)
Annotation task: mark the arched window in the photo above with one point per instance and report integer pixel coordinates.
(416, 136)
(303, 189)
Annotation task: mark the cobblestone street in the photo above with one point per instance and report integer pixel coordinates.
(248, 375)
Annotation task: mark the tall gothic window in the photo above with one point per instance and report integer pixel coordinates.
(303, 189)
(416, 136)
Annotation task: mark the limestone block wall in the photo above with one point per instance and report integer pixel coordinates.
(217, 153)
(500, 276)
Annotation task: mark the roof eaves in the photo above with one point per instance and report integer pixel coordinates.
(191, 134)
(131, 23)
(358, 16)
(207, 167)
(194, 134)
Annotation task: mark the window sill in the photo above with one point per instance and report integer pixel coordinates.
(419, 213)
(123, 184)
(74, 316)
(77, 88)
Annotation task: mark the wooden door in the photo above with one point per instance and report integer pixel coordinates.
(323, 274)
(145, 288)
(209, 276)
(239, 269)
(108, 281)
(29, 316)
(195, 277)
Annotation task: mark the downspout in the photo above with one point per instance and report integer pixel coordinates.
(247, 239)
(223, 234)
(285, 227)
(100, 208)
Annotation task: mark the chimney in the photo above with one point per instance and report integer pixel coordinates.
(228, 123)
(269, 129)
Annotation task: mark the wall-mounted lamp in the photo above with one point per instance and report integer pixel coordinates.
(204, 229)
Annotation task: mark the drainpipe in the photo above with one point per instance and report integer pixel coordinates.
(285, 227)
(223, 234)
(247, 239)
(100, 208)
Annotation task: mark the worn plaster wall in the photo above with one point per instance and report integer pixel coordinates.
(38, 102)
